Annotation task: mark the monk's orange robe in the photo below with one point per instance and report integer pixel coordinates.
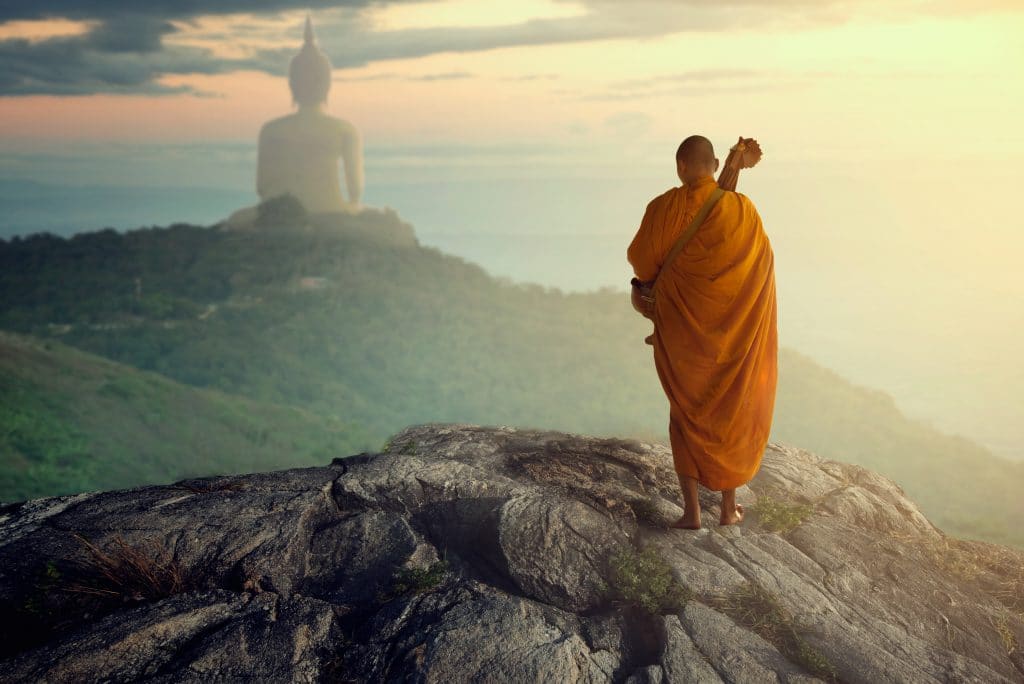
(715, 340)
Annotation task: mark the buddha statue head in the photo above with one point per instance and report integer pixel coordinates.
(309, 74)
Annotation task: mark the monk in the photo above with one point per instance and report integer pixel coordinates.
(715, 339)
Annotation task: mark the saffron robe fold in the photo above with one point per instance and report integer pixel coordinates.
(716, 339)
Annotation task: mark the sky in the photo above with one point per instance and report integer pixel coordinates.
(891, 130)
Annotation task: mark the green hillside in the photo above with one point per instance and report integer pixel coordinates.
(72, 422)
(960, 485)
(382, 336)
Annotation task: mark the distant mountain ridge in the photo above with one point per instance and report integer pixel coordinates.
(326, 318)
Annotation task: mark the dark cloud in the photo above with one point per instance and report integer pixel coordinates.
(59, 66)
(129, 34)
(164, 9)
(127, 52)
(74, 66)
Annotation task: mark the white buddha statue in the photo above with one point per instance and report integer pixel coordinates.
(299, 153)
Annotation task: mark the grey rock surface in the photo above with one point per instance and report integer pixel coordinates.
(470, 553)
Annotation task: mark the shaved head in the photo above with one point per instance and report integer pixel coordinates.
(695, 159)
(697, 152)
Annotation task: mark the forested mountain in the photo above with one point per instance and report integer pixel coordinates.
(381, 336)
(73, 422)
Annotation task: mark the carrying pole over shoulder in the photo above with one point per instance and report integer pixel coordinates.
(705, 209)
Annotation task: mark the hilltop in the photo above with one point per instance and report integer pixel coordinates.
(384, 333)
(469, 553)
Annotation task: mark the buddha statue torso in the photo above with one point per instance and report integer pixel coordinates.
(299, 154)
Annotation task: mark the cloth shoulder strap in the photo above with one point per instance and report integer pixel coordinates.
(705, 209)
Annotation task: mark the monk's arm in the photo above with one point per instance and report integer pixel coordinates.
(641, 250)
(267, 161)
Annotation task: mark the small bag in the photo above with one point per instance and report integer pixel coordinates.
(642, 296)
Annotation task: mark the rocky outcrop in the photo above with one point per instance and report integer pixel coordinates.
(467, 553)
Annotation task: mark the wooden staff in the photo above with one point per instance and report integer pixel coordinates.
(744, 154)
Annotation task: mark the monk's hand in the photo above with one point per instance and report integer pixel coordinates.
(748, 153)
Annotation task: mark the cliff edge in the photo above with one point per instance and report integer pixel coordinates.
(469, 553)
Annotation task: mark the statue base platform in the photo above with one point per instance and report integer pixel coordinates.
(379, 225)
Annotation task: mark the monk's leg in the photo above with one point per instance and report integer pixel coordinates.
(732, 512)
(691, 504)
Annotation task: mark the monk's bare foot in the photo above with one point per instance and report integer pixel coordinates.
(687, 522)
(735, 517)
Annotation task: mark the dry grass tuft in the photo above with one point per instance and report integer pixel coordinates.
(126, 572)
(1006, 635)
(997, 570)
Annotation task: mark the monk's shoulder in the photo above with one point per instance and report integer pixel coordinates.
(276, 128)
(744, 201)
(663, 198)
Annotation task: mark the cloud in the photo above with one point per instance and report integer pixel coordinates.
(164, 9)
(706, 82)
(127, 50)
(698, 76)
(531, 77)
(629, 124)
(70, 66)
(391, 76)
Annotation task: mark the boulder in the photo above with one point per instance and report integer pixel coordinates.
(488, 553)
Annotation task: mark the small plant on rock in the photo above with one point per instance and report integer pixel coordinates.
(780, 516)
(48, 579)
(759, 610)
(405, 448)
(645, 579)
(415, 580)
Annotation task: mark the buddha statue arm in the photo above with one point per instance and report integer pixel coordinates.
(264, 171)
(352, 155)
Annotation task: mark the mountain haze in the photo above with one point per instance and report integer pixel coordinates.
(323, 317)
